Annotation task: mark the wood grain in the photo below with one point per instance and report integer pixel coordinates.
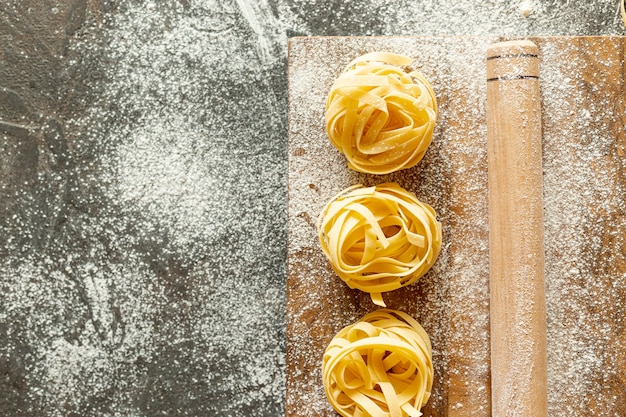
(584, 151)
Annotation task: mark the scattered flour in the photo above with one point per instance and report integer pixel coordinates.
(583, 276)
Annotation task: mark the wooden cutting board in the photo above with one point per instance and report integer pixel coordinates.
(584, 161)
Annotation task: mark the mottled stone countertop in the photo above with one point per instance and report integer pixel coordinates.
(143, 190)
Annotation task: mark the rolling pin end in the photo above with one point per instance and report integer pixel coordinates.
(513, 60)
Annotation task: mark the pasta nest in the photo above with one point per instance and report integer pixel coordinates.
(380, 238)
(379, 116)
(379, 366)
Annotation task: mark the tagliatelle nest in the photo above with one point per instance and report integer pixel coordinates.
(380, 238)
(379, 366)
(379, 116)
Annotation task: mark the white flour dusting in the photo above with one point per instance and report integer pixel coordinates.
(167, 298)
(451, 302)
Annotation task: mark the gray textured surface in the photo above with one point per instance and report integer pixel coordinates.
(143, 191)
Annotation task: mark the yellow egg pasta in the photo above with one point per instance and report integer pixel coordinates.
(380, 366)
(379, 116)
(380, 238)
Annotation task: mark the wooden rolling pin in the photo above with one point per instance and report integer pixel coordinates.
(516, 246)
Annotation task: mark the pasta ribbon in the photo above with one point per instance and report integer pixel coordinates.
(380, 366)
(379, 116)
(380, 238)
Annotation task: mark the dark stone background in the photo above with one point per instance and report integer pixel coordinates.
(143, 191)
